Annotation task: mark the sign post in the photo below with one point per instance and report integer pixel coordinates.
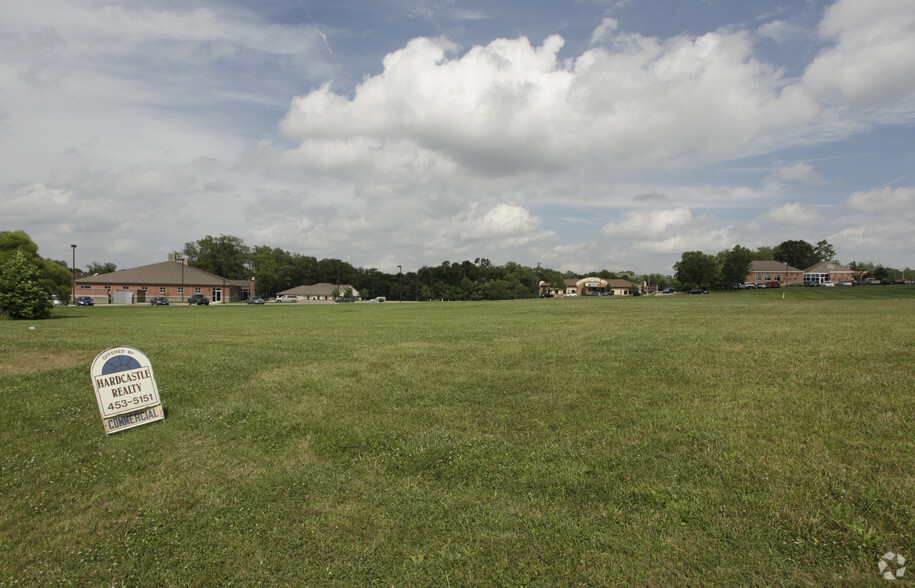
(125, 389)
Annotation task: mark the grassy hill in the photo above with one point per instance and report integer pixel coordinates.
(740, 438)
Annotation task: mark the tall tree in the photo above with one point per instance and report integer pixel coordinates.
(799, 254)
(735, 265)
(223, 255)
(824, 252)
(696, 268)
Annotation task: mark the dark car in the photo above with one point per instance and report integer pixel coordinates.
(199, 300)
(255, 300)
(668, 291)
(158, 301)
(344, 299)
(84, 301)
(697, 291)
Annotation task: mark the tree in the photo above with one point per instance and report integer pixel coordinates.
(101, 268)
(225, 256)
(696, 268)
(824, 252)
(22, 295)
(799, 254)
(735, 265)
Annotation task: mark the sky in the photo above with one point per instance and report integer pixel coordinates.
(580, 135)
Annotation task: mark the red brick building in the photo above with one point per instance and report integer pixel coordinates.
(173, 279)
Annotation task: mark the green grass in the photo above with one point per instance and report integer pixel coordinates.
(738, 439)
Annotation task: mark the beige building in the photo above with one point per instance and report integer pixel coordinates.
(321, 291)
(587, 286)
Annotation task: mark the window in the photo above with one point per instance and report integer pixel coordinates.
(768, 277)
(181, 290)
(778, 277)
(125, 287)
(145, 288)
(161, 289)
(197, 291)
(758, 277)
(84, 287)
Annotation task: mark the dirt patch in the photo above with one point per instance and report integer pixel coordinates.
(29, 362)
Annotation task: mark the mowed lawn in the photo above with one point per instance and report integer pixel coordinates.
(744, 438)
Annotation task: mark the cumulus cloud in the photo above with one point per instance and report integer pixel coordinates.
(512, 107)
(870, 61)
(604, 31)
(669, 230)
(883, 200)
(791, 213)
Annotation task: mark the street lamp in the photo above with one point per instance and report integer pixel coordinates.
(73, 275)
(400, 284)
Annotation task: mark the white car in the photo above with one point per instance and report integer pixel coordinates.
(288, 298)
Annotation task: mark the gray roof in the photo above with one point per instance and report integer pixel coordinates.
(166, 273)
(827, 267)
(771, 266)
(320, 289)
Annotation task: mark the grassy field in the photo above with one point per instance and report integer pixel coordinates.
(730, 439)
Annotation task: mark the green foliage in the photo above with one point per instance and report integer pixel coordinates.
(22, 295)
(799, 254)
(735, 265)
(697, 268)
(101, 268)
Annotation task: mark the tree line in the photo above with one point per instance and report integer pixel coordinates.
(276, 270)
(732, 266)
(27, 279)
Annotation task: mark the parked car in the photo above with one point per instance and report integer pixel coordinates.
(255, 300)
(668, 291)
(343, 299)
(846, 283)
(84, 301)
(199, 300)
(828, 284)
(546, 295)
(773, 285)
(812, 284)
(749, 286)
(288, 298)
(158, 301)
(697, 291)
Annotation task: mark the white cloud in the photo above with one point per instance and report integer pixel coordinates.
(791, 214)
(872, 60)
(669, 230)
(802, 173)
(604, 31)
(878, 200)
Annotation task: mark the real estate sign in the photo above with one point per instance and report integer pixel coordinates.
(125, 389)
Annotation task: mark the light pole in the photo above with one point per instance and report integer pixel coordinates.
(73, 275)
(400, 284)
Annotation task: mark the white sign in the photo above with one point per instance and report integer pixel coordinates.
(125, 389)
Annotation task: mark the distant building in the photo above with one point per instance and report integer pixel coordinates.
(321, 291)
(584, 286)
(173, 279)
(777, 271)
(827, 271)
(774, 271)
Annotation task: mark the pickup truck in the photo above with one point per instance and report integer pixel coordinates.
(199, 300)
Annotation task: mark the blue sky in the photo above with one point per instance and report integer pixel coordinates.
(580, 135)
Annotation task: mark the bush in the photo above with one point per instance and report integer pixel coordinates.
(21, 293)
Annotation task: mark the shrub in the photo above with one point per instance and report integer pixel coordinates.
(21, 293)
